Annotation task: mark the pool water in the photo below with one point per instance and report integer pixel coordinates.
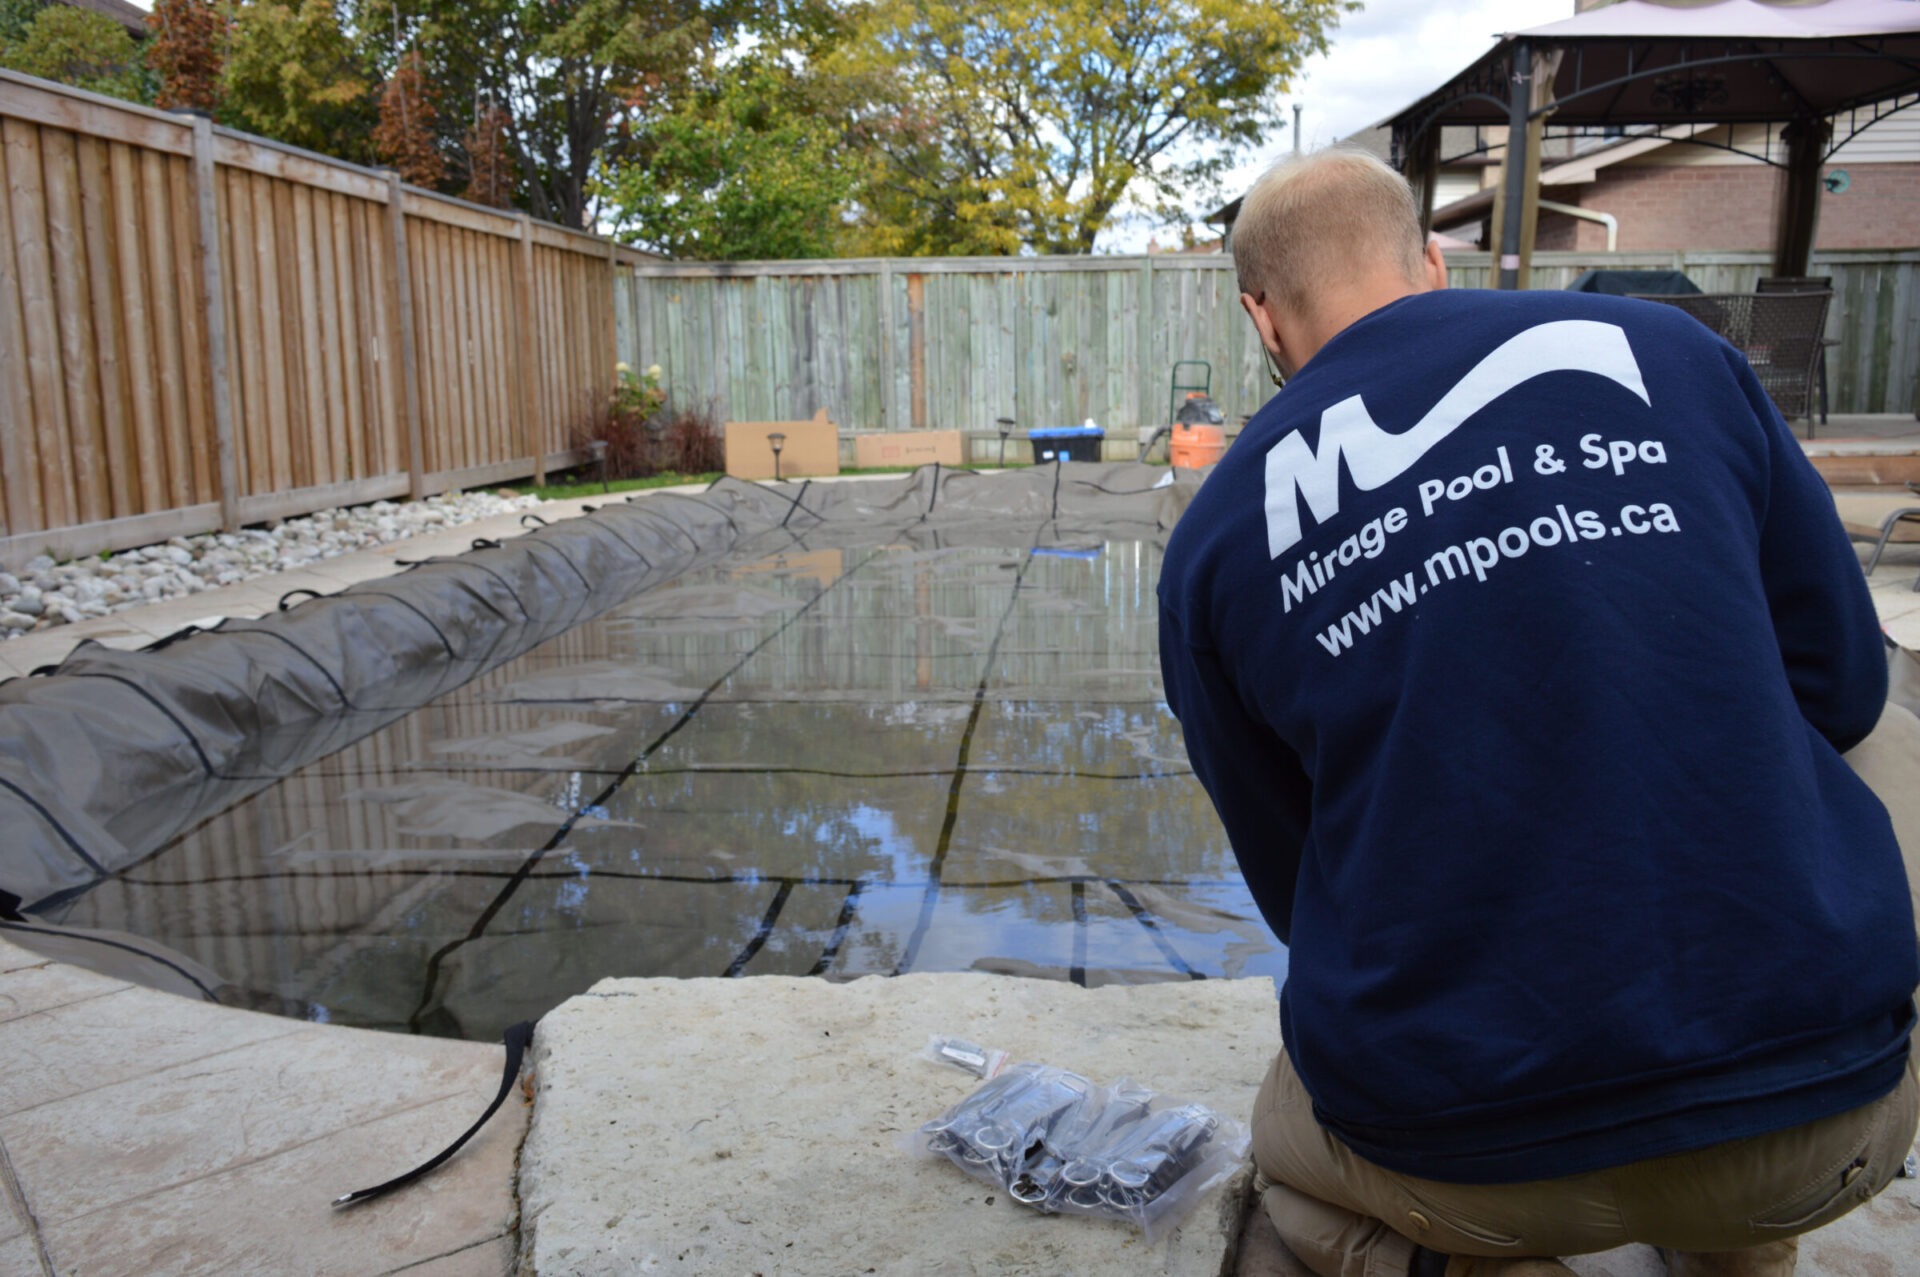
(832, 761)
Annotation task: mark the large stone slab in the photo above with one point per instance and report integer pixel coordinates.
(752, 1126)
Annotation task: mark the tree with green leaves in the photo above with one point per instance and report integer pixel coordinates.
(292, 74)
(749, 165)
(78, 47)
(578, 78)
(1021, 124)
(15, 17)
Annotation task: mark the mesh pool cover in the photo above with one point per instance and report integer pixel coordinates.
(829, 729)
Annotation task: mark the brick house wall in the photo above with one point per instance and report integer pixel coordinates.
(1661, 207)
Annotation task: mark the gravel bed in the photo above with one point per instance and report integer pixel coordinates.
(42, 593)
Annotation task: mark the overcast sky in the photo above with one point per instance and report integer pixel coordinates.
(1382, 58)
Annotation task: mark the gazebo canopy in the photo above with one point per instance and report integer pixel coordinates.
(1825, 69)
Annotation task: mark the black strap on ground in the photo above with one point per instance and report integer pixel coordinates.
(804, 485)
(517, 1040)
(933, 497)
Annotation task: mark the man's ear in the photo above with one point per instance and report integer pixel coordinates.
(1434, 263)
(1262, 322)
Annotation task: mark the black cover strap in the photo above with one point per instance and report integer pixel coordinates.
(518, 1038)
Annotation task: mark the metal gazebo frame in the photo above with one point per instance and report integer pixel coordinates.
(1640, 63)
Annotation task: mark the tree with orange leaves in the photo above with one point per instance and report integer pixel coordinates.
(490, 178)
(186, 53)
(404, 139)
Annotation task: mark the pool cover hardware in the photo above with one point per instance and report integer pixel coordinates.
(981, 1061)
(518, 1038)
(1061, 1144)
(1910, 1169)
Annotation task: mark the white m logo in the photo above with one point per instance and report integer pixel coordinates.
(1375, 458)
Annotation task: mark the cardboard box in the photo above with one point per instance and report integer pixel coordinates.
(908, 448)
(810, 448)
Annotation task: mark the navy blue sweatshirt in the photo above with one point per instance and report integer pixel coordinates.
(1517, 643)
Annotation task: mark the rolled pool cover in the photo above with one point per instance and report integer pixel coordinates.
(110, 756)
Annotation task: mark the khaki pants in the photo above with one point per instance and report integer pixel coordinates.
(1732, 1210)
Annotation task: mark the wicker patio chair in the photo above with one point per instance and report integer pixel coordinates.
(1806, 284)
(1779, 333)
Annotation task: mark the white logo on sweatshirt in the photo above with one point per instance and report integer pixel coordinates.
(1375, 458)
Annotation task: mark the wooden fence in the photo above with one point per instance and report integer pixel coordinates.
(958, 342)
(940, 343)
(202, 329)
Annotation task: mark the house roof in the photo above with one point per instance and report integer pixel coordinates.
(131, 17)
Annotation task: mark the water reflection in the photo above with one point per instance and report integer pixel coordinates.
(829, 760)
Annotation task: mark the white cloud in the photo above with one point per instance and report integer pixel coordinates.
(1382, 58)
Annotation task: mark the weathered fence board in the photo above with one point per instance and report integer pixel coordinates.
(956, 343)
(120, 421)
(200, 328)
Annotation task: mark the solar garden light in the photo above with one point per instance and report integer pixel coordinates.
(597, 451)
(1006, 428)
(776, 441)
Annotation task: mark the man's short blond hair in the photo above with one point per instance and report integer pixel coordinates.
(1313, 219)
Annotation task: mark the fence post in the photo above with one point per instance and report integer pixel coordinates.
(407, 359)
(613, 323)
(917, 347)
(528, 365)
(886, 343)
(1147, 386)
(214, 287)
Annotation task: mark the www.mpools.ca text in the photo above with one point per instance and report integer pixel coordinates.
(1477, 557)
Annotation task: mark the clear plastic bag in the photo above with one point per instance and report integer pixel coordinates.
(1061, 1144)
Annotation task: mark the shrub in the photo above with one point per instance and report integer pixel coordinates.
(643, 437)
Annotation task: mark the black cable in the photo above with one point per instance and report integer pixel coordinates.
(738, 967)
(844, 923)
(1144, 917)
(520, 875)
(960, 771)
(1077, 968)
(517, 1039)
(933, 497)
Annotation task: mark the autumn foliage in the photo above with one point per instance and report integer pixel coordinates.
(489, 159)
(404, 139)
(185, 53)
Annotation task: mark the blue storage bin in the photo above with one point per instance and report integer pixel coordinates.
(1066, 443)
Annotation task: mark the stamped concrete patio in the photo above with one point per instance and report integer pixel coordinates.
(146, 1133)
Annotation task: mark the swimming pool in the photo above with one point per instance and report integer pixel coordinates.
(844, 748)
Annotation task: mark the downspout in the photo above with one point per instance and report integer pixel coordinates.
(1607, 220)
